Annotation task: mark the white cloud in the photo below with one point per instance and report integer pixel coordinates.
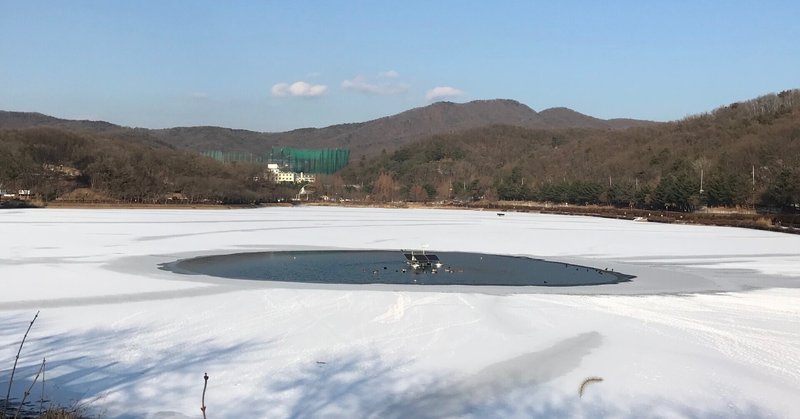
(299, 88)
(442, 92)
(391, 74)
(280, 89)
(363, 85)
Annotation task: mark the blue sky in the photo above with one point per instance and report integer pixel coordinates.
(280, 65)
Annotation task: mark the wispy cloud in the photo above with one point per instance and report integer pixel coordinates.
(199, 95)
(442, 92)
(364, 85)
(299, 88)
(390, 74)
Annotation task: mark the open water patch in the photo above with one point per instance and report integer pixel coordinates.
(392, 267)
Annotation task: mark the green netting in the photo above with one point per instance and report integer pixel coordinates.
(232, 156)
(322, 161)
(325, 161)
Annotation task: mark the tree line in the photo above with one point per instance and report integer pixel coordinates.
(53, 162)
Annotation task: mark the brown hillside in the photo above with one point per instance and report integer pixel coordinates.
(366, 138)
(726, 145)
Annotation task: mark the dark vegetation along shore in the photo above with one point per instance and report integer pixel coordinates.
(743, 157)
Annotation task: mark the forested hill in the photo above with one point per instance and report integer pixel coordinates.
(657, 165)
(365, 138)
(55, 163)
(747, 153)
(17, 120)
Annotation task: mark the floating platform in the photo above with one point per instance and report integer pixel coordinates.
(422, 260)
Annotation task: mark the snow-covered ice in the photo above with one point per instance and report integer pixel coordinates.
(709, 328)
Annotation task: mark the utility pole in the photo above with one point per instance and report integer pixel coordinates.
(754, 187)
(701, 180)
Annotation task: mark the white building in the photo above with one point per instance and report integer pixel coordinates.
(300, 178)
(280, 176)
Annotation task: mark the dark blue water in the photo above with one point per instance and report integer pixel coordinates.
(389, 267)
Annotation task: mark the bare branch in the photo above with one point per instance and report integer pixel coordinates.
(203, 401)
(13, 370)
(28, 391)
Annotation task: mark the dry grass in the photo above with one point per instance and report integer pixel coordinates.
(764, 222)
(61, 413)
(49, 413)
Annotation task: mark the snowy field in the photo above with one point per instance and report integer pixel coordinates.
(710, 326)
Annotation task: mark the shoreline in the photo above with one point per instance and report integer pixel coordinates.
(127, 205)
(722, 217)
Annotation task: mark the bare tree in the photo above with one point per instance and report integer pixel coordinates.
(384, 189)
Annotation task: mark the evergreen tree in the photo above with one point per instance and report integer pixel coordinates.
(726, 190)
(784, 190)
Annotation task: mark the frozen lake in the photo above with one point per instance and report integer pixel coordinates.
(391, 267)
(710, 326)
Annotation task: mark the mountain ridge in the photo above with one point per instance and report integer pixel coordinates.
(363, 138)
